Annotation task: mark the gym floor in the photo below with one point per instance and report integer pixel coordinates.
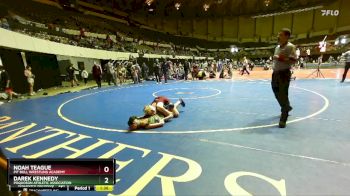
(226, 140)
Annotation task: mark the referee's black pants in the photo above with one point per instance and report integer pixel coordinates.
(347, 67)
(186, 74)
(280, 87)
(157, 76)
(165, 74)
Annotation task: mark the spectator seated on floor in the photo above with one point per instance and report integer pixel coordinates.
(6, 91)
(201, 74)
(251, 66)
(266, 67)
(222, 73)
(212, 74)
(8, 94)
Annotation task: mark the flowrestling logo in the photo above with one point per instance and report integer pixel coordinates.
(330, 12)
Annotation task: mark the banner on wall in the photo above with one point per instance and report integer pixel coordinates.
(23, 54)
(27, 43)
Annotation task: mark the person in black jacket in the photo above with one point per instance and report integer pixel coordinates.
(156, 70)
(186, 68)
(145, 71)
(165, 68)
(71, 75)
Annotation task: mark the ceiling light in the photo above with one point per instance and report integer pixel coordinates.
(336, 42)
(343, 41)
(234, 49)
(177, 6)
(149, 2)
(206, 7)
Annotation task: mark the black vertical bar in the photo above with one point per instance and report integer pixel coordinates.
(114, 173)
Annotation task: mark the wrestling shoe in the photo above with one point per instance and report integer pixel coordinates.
(283, 120)
(182, 102)
(282, 124)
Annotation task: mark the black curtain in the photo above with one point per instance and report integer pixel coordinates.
(45, 68)
(13, 63)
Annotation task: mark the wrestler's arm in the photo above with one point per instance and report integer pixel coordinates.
(155, 125)
(166, 112)
(166, 119)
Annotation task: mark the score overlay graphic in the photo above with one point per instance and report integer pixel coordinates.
(61, 174)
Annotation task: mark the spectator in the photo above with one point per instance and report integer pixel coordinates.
(135, 74)
(121, 70)
(97, 74)
(301, 62)
(145, 71)
(186, 68)
(245, 66)
(176, 71)
(85, 75)
(156, 70)
(165, 69)
(195, 70)
(6, 91)
(82, 33)
(230, 70)
(71, 75)
(110, 72)
(251, 66)
(220, 67)
(30, 79)
(109, 42)
(139, 72)
(5, 24)
(266, 67)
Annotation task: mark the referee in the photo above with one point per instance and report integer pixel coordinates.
(284, 58)
(347, 64)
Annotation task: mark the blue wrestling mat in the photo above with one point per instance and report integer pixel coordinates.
(225, 142)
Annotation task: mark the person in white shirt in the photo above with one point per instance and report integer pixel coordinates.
(347, 64)
(245, 63)
(85, 75)
(110, 72)
(30, 79)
